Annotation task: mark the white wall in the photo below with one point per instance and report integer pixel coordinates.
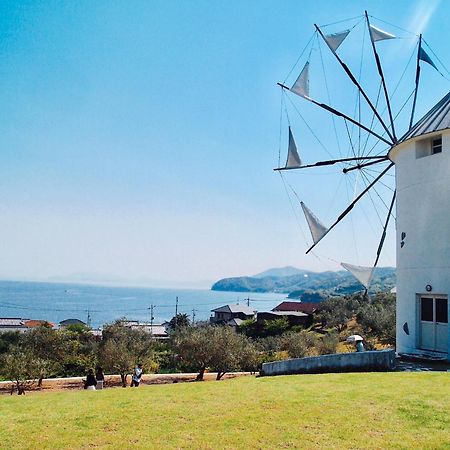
(423, 213)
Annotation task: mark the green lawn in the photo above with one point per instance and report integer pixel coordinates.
(351, 411)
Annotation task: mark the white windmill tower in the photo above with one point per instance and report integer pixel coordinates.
(422, 194)
(422, 161)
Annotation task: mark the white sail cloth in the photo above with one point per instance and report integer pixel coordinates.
(361, 273)
(377, 34)
(301, 85)
(293, 158)
(335, 40)
(318, 230)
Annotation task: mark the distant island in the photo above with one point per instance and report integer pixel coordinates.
(307, 285)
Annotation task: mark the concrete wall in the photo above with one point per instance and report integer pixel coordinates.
(342, 362)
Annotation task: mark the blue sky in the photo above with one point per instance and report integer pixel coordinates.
(138, 137)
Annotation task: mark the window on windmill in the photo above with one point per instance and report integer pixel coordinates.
(430, 146)
(436, 145)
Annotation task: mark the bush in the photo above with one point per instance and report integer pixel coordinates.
(327, 344)
(378, 317)
(299, 344)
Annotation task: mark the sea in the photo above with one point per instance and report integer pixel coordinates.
(98, 305)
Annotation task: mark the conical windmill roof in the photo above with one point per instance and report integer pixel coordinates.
(436, 119)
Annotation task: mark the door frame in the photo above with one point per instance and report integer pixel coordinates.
(419, 320)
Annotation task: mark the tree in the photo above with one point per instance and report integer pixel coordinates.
(337, 311)
(192, 348)
(378, 317)
(180, 320)
(122, 348)
(299, 344)
(45, 344)
(230, 351)
(22, 367)
(249, 327)
(217, 347)
(8, 339)
(79, 351)
(275, 327)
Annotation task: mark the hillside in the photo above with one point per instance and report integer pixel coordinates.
(307, 284)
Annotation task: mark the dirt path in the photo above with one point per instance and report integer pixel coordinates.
(76, 383)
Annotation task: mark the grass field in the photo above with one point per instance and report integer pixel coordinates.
(351, 411)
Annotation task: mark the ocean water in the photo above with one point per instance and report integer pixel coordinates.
(58, 301)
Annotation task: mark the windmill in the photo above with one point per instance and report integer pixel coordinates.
(421, 156)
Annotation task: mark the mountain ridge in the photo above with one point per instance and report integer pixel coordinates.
(307, 285)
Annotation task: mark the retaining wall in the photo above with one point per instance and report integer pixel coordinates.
(381, 360)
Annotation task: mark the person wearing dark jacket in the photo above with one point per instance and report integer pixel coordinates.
(90, 382)
(99, 375)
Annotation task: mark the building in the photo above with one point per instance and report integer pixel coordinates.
(293, 317)
(227, 313)
(158, 331)
(38, 323)
(67, 322)
(422, 162)
(13, 324)
(303, 307)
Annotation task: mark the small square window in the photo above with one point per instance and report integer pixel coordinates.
(436, 145)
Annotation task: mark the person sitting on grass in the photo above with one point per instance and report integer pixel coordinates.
(90, 382)
(136, 378)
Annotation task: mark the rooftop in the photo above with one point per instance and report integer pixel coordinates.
(235, 309)
(436, 119)
(304, 307)
(12, 322)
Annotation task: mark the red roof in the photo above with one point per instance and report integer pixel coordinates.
(38, 323)
(304, 307)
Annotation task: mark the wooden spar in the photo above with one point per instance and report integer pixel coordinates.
(352, 204)
(355, 82)
(383, 82)
(340, 114)
(360, 166)
(417, 82)
(383, 236)
(330, 162)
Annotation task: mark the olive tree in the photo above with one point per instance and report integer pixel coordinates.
(217, 347)
(122, 348)
(23, 368)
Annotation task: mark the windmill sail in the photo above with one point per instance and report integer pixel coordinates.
(293, 159)
(301, 85)
(318, 230)
(335, 40)
(361, 273)
(377, 34)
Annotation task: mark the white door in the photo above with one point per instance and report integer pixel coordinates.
(434, 323)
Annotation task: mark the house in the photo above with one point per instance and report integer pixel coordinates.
(12, 324)
(158, 331)
(293, 317)
(304, 307)
(67, 322)
(38, 323)
(226, 313)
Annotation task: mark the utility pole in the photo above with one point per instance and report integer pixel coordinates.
(151, 318)
(193, 316)
(88, 321)
(248, 302)
(176, 311)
